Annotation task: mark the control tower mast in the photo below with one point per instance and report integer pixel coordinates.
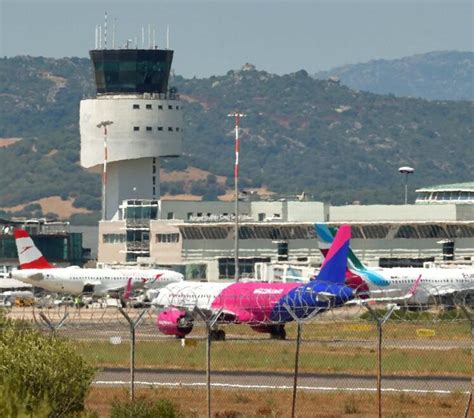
(133, 94)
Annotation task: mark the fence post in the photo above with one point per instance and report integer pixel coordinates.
(53, 328)
(471, 320)
(133, 326)
(297, 352)
(380, 322)
(210, 322)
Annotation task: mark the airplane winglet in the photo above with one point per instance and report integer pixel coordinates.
(414, 288)
(128, 289)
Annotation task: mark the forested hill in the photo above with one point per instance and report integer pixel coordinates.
(441, 75)
(300, 134)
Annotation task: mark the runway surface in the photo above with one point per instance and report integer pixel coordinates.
(280, 380)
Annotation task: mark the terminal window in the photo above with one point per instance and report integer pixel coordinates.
(160, 107)
(148, 128)
(170, 107)
(136, 128)
(177, 107)
(167, 237)
(136, 106)
(177, 129)
(160, 128)
(148, 106)
(170, 129)
(113, 238)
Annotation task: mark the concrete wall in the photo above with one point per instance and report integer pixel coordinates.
(108, 252)
(165, 252)
(399, 213)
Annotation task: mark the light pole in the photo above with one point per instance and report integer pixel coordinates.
(406, 171)
(237, 116)
(104, 125)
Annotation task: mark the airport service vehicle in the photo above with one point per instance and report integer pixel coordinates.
(35, 270)
(439, 284)
(263, 306)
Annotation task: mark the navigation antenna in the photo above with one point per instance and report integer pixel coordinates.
(105, 31)
(237, 116)
(96, 36)
(168, 37)
(113, 33)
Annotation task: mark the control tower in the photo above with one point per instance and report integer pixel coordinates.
(147, 123)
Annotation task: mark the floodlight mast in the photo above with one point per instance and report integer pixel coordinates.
(236, 116)
(406, 170)
(104, 125)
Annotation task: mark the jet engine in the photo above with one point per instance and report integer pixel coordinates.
(174, 321)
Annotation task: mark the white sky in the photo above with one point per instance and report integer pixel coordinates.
(212, 37)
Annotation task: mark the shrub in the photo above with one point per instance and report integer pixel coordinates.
(145, 408)
(45, 373)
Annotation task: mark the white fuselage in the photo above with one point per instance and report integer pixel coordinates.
(434, 282)
(100, 282)
(189, 295)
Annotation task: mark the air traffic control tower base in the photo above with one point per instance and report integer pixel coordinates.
(146, 123)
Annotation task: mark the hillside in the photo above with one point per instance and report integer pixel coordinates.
(300, 134)
(445, 75)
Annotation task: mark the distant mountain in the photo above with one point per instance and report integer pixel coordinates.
(445, 75)
(300, 134)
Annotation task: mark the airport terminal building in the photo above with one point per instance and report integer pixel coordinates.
(199, 236)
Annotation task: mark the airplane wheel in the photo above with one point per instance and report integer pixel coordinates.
(217, 335)
(278, 333)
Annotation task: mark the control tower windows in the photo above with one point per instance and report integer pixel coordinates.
(136, 106)
(148, 128)
(148, 106)
(136, 128)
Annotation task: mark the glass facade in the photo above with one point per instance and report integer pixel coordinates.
(132, 70)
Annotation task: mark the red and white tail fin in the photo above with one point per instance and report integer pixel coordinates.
(28, 254)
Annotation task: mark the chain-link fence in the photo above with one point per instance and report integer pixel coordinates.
(375, 360)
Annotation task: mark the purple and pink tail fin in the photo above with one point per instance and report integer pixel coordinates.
(28, 254)
(334, 266)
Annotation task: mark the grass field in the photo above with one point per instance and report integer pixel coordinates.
(271, 355)
(276, 404)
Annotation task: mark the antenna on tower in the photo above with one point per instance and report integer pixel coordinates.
(154, 39)
(96, 36)
(105, 31)
(149, 36)
(113, 33)
(136, 42)
(100, 37)
(143, 37)
(168, 37)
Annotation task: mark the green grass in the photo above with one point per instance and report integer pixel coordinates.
(278, 356)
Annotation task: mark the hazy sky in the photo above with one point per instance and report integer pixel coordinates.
(212, 37)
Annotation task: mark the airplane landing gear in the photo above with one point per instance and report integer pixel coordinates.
(217, 335)
(278, 332)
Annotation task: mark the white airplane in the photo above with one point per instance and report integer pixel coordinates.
(35, 270)
(440, 284)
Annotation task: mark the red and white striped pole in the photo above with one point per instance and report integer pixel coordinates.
(104, 125)
(237, 116)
